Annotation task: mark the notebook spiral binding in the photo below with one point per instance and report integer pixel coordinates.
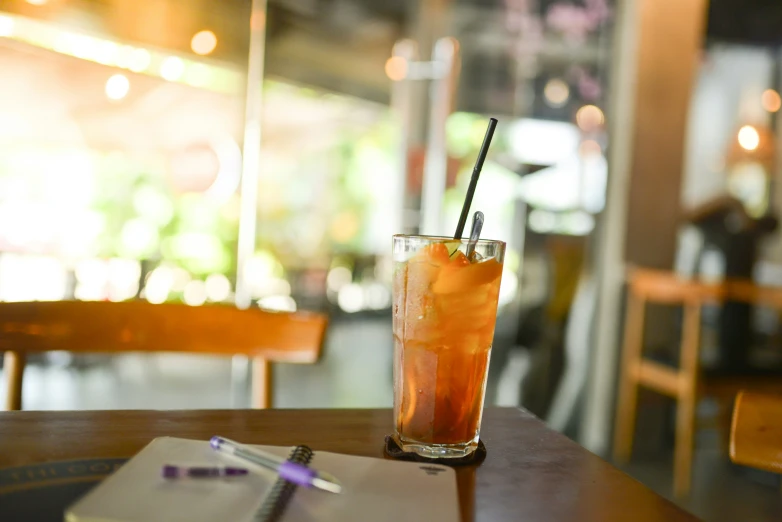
(276, 501)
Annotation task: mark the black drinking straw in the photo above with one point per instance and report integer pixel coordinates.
(476, 172)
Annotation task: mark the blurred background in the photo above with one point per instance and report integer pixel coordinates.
(263, 152)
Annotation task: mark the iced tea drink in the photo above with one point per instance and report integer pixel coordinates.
(445, 307)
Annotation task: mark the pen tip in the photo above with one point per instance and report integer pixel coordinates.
(326, 485)
(170, 472)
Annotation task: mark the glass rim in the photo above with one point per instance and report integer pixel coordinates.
(448, 238)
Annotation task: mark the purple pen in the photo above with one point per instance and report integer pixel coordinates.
(290, 471)
(171, 471)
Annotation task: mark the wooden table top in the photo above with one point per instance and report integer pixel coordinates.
(531, 473)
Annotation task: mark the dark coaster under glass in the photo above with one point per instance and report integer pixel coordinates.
(391, 449)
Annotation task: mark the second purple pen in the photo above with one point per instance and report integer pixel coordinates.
(175, 472)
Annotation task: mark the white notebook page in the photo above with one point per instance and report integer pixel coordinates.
(373, 489)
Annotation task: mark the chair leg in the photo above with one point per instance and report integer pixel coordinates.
(625, 419)
(683, 449)
(724, 418)
(628, 386)
(686, 400)
(14, 363)
(262, 384)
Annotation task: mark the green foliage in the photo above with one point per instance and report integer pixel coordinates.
(145, 219)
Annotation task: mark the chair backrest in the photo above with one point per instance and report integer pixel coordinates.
(747, 292)
(663, 287)
(657, 286)
(137, 326)
(756, 431)
(667, 288)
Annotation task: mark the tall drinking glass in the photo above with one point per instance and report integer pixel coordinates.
(445, 308)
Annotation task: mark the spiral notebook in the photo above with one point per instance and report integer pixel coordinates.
(276, 502)
(373, 489)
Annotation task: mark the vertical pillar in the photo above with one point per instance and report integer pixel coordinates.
(443, 89)
(428, 24)
(670, 36)
(403, 106)
(251, 171)
(656, 51)
(771, 248)
(251, 153)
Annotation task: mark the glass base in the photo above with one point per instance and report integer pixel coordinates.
(437, 451)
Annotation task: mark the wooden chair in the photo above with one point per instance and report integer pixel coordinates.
(136, 326)
(756, 431)
(650, 286)
(685, 383)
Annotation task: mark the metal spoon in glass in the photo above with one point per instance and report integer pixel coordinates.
(475, 234)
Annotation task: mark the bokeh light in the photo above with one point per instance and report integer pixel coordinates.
(396, 68)
(124, 56)
(542, 221)
(6, 25)
(590, 148)
(199, 252)
(194, 293)
(218, 287)
(338, 277)
(139, 60)
(123, 278)
(278, 303)
(556, 92)
(199, 75)
(117, 87)
(376, 296)
(105, 52)
(203, 42)
(172, 68)
(509, 287)
(589, 118)
(749, 139)
(578, 223)
(91, 278)
(153, 205)
(771, 100)
(262, 268)
(274, 286)
(180, 280)
(159, 283)
(32, 278)
(138, 239)
(351, 298)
